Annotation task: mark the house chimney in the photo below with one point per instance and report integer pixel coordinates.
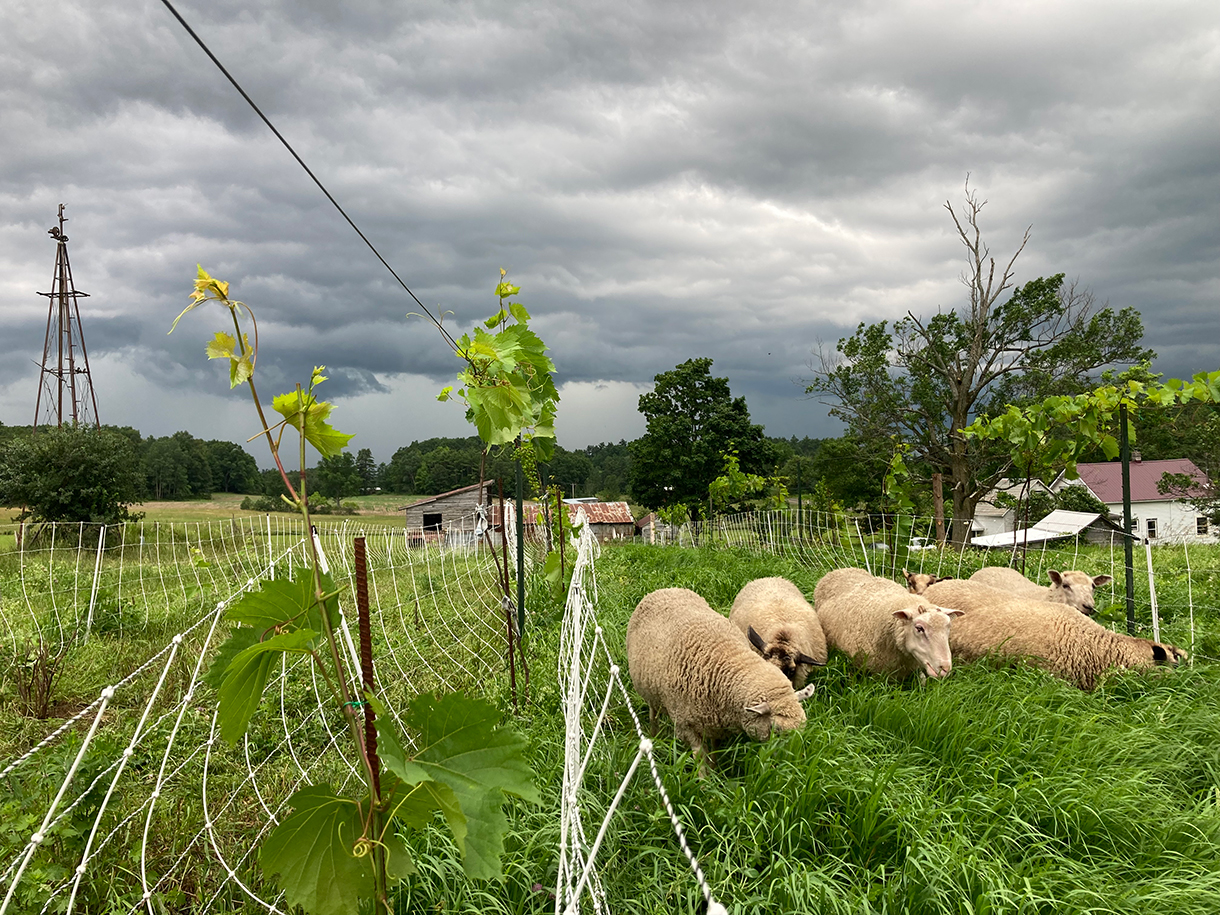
(1136, 456)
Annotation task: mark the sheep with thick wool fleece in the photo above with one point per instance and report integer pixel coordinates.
(1073, 588)
(687, 659)
(1052, 636)
(781, 625)
(882, 626)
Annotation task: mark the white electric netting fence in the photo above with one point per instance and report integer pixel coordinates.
(136, 782)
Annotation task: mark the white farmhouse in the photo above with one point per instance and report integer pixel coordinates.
(1159, 518)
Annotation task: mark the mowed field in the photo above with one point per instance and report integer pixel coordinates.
(997, 790)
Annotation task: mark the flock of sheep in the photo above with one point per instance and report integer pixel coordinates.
(715, 677)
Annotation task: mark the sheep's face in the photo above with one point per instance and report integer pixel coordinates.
(1170, 655)
(759, 720)
(1076, 589)
(792, 662)
(923, 634)
(919, 582)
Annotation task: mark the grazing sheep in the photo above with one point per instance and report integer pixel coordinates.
(687, 659)
(917, 582)
(1052, 636)
(883, 626)
(780, 624)
(1072, 588)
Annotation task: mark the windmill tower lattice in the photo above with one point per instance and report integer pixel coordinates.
(65, 388)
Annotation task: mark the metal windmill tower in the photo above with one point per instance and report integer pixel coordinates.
(65, 388)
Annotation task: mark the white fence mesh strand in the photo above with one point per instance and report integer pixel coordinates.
(144, 603)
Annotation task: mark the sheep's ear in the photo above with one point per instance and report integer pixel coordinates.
(805, 693)
(1102, 580)
(756, 640)
(906, 613)
(951, 611)
(944, 578)
(763, 708)
(1055, 577)
(906, 574)
(805, 659)
(1159, 653)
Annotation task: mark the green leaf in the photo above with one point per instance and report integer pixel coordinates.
(1109, 447)
(281, 603)
(399, 862)
(463, 749)
(518, 310)
(305, 410)
(312, 852)
(221, 346)
(239, 640)
(242, 687)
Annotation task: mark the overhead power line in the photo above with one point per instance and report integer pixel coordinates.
(288, 146)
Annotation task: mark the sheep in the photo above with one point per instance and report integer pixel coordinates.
(782, 627)
(917, 582)
(687, 659)
(882, 626)
(837, 581)
(1052, 636)
(1072, 588)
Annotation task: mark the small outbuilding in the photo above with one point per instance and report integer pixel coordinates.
(447, 515)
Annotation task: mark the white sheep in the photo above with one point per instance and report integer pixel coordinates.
(1072, 588)
(687, 659)
(917, 582)
(1052, 636)
(782, 627)
(882, 626)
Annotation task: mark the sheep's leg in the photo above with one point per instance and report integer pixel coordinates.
(652, 720)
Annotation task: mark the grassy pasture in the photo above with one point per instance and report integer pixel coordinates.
(999, 790)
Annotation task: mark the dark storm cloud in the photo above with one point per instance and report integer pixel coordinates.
(664, 181)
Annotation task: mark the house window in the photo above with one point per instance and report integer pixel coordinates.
(1201, 525)
(432, 522)
(1152, 528)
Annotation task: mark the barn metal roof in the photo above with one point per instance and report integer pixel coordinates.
(1059, 523)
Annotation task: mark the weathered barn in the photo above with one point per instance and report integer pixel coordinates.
(448, 516)
(607, 520)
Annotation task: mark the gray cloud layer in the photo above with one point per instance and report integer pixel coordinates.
(663, 181)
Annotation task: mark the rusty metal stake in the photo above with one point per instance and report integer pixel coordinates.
(366, 661)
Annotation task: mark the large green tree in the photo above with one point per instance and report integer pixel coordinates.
(335, 477)
(233, 467)
(926, 378)
(71, 474)
(693, 421)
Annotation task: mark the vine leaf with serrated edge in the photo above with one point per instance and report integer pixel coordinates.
(312, 851)
(246, 677)
(303, 409)
(464, 751)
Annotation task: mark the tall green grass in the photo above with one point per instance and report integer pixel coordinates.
(999, 790)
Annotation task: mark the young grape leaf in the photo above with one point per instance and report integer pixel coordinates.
(301, 409)
(281, 603)
(311, 851)
(241, 690)
(239, 640)
(464, 750)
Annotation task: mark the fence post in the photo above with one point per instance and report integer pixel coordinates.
(1124, 448)
(97, 570)
(270, 548)
(1156, 619)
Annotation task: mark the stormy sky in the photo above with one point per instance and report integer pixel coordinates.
(664, 181)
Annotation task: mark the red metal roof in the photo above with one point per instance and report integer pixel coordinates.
(1106, 480)
(604, 512)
